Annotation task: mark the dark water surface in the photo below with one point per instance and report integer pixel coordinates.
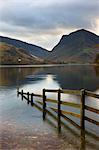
(22, 126)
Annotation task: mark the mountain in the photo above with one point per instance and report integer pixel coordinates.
(11, 55)
(29, 48)
(80, 46)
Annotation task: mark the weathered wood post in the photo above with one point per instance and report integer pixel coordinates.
(44, 104)
(83, 113)
(27, 97)
(59, 110)
(17, 92)
(22, 94)
(83, 143)
(32, 99)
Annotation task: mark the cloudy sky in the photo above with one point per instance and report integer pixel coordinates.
(43, 22)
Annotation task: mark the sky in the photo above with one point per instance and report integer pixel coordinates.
(43, 22)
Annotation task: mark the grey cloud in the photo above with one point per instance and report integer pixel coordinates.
(52, 16)
(34, 17)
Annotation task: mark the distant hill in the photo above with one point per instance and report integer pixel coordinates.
(78, 47)
(29, 48)
(11, 55)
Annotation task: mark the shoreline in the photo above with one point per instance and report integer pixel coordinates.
(46, 65)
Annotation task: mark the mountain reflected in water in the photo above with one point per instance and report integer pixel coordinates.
(19, 119)
(40, 82)
(67, 77)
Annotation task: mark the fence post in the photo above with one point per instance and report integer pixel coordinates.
(44, 104)
(83, 113)
(17, 92)
(22, 94)
(59, 110)
(27, 97)
(32, 99)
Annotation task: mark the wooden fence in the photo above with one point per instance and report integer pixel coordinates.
(63, 113)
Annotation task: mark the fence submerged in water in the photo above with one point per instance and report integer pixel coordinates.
(59, 111)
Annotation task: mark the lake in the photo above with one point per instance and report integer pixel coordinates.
(22, 126)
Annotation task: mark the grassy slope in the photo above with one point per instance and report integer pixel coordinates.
(10, 55)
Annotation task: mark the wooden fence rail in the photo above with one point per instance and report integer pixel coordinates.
(64, 113)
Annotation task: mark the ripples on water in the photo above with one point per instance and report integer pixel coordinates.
(17, 119)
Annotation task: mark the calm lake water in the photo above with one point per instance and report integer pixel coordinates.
(20, 122)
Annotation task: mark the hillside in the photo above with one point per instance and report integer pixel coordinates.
(78, 47)
(12, 55)
(29, 48)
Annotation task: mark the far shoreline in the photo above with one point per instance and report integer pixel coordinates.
(47, 65)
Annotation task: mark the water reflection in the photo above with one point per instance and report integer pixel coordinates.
(96, 70)
(68, 77)
(40, 82)
(11, 76)
(20, 118)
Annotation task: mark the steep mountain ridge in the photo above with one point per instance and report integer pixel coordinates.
(79, 46)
